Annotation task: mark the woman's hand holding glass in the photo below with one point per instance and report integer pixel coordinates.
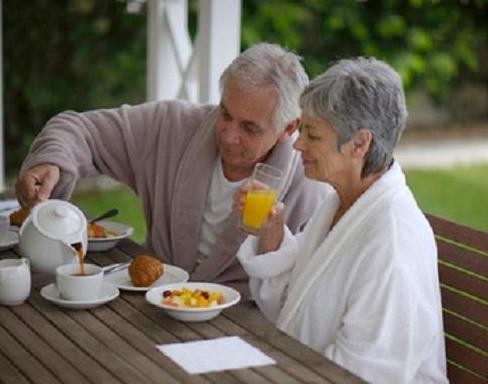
(271, 228)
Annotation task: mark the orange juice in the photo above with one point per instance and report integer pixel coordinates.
(257, 206)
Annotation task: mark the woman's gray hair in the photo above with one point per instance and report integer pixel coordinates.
(360, 93)
(267, 64)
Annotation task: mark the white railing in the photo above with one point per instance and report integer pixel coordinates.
(180, 68)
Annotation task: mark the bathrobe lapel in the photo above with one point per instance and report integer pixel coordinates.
(190, 193)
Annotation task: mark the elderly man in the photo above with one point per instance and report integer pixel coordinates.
(185, 161)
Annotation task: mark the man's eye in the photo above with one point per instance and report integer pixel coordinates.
(251, 128)
(225, 115)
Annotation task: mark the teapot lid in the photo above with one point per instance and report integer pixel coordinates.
(59, 219)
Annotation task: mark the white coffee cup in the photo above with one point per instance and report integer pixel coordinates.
(73, 286)
(4, 226)
(15, 281)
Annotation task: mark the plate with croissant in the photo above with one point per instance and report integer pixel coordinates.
(145, 272)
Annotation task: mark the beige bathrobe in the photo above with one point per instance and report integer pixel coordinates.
(166, 151)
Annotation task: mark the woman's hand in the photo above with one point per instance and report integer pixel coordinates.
(272, 230)
(271, 233)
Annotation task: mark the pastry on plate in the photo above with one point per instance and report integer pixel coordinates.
(145, 270)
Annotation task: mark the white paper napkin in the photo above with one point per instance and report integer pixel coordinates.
(219, 354)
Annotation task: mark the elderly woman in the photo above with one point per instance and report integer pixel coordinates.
(360, 283)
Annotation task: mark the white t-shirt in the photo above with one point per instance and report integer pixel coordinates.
(218, 207)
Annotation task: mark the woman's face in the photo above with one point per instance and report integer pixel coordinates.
(321, 158)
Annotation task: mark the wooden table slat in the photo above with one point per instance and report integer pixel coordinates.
(33, 369)
(47, 331)
(9, 374)
(55, 362)
(89, 344)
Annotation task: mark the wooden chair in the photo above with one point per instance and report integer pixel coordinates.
(463, 273)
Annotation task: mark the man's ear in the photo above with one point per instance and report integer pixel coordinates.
(361, 142)
(289, 129)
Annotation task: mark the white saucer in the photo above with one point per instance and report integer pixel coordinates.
(171, 275)
(50, 293)
(11, 238)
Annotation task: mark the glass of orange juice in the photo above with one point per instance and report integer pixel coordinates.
(259, 200)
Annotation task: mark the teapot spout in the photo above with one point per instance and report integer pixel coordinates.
(71, 251)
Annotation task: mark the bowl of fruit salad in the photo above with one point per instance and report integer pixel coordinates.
(193, 301)
(104, 235)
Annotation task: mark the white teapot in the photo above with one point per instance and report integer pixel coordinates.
(52, 235)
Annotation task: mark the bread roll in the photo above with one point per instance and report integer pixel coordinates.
(145, 270)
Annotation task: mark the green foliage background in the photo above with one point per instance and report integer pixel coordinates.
(435, 44)
(85, 54)
(67, 54)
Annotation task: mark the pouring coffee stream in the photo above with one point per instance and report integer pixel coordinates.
(81, 258)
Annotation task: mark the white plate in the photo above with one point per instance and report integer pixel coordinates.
(231, 297)
(171, 275)
(104, 244)
(50, 293)
(11, 238)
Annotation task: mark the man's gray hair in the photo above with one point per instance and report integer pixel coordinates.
(360, 93)
(267, 64)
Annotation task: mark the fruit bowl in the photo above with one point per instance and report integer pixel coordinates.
(193, 314)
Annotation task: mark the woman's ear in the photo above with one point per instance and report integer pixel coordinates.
(289, 129)
(361, 142)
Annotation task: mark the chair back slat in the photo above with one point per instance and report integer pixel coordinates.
(472, 333)
(462, 257)
(461, 376)
(467, 357)
(463, 275)
(462, 281)
(464, 306)
(459, 233)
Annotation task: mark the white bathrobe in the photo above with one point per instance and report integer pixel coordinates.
(364, 293)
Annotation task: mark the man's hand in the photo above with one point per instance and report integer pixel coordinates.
(36, 184)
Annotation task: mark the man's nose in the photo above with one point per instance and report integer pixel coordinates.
(230, 134)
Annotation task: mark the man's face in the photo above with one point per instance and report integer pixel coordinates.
(244, 128)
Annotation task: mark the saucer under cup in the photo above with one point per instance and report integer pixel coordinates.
(76, 287)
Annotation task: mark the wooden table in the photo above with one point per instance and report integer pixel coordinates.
(116, 342)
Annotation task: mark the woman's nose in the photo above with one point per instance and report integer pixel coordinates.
(297, 145)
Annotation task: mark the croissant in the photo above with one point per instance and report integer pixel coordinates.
(145, 270)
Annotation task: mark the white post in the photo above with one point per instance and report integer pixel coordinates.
(169, 47)
(219, 31)
(174, 69)
(2, 142)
